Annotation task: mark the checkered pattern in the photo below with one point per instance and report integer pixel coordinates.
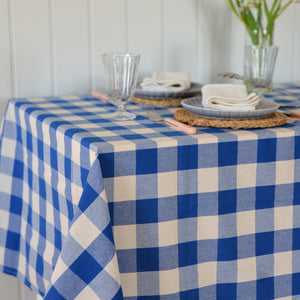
(94, 209)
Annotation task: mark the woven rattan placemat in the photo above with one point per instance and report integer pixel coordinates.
(272, 120)
(159, 102)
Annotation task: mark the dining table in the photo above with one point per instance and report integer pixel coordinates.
(97, 209)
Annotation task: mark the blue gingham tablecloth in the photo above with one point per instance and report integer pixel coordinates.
(95, 209)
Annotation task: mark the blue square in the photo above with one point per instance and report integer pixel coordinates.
(297, 193)
(15, 205)
(146, 211)
(208, 204)
(40, 150)
(188, 157)
(13, 241)
(67, 168)
(86, 267)
(296, 239)
(208, 155)
(123, 162)
(266, 150)
(18, 169)
(167, 159)
(190, 294)
(87, 198)
(42, 227)
(146, 161)
(107, 164)
(29, 141)
(265, 196)
(265, 289)
(246, 155)
(187, 206)
(147, 259)
(42, 188)
(57, 239)
(127, 260)
(227, 249)
(297, 147)
(226, 291)
(264, 243)
(246, 246)
(227, 153)
(122, 213)
(39, 265)
(227, 202)
(296, 284)
(53, 159)
(187, 254)
(168, 257)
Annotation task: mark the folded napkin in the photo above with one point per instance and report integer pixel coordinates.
(228, 97)
(166, 81)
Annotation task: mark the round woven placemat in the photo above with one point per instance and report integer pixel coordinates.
(157, 102)
(274, 119)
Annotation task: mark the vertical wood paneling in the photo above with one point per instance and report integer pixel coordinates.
(214, 29)
(31, 24)
(72, 46)
(284, 39)
(5, 73)
(145, 34)
(296, 35)
(180, 42)
(108, 33)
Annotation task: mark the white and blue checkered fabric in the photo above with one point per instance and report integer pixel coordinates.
(95, 209)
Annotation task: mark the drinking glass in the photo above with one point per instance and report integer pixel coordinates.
(121, 71)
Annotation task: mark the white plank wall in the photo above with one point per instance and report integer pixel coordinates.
(54, 47)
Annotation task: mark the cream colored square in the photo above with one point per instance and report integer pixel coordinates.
(283, 217)
(168, 233)
(59, 269)
(245, 222)
(125, 237)
(5, 183)
(283, 263)
(22, 119)
(129, 284)
(126, 123)
(86, 293)
(163, 142)
(143, 130)
(207, 274)
(89, 125)
(8, 148)
(49, 252)
(206, 138)
(35, 164)
(60, 140)
(125, 145)
(61, 184)
(64, 225)
(35, 198)
(36, 99)
(285, 172)
(283, 132)
(22, 264)
(46, 134)
(95, 109)
(47, 173)
(10, 114)
(4, 219)
(167, 184)
(34, 240)
(23, 228)
(246, 269)
(73, 118)
(124, 188)
(59, 112)
(208, 180)
(70, 97)
(2, 256)
(47, 105)
(246, 176)
(103, 133)
(169, 281)
(76, 152)
(25, 192)
(84, 231)
(50, 213)
(207, 227)
(76, 193)
(245, 135)
(32, 276)
(32, 121)
(285, 298)
(112, 268)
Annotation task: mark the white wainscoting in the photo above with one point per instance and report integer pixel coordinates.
(54, 47)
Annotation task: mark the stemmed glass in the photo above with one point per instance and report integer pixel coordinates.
(121, 71)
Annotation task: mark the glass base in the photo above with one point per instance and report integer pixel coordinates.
(121, 115)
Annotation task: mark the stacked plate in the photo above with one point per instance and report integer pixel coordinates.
(194, 105)
(194, 90)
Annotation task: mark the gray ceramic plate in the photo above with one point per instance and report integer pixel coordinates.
(194, 105)
(194, 90)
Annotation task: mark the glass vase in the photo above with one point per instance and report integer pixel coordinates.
(259, 67)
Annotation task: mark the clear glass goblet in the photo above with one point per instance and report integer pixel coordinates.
(121, 71)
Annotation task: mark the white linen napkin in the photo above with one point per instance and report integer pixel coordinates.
(228, 97)
(166, 81)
